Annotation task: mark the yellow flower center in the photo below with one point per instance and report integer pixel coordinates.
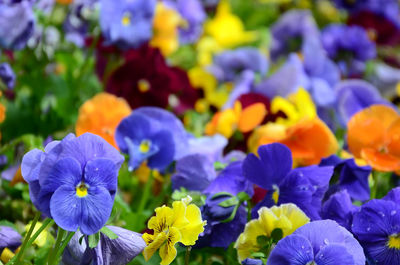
(145, 146)
(81, 190)
(143, 85)
(275, 195)
(126, 19)
(394, 241)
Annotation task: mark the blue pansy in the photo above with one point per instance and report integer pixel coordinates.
(228, 65)
(273, 171)
(74, 181)
(355, 95)
(252, 262)
(127, 23)
(7, 75)
(320, 242)
(352, 177)
(339, 208)
(377, 228)
(153, 135)
(17, 23)
(117, 251)
(349, 46)
(9, 238)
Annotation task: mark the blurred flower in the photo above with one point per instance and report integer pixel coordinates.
(349, 46)
(273, 172)
(227, 121)
(117, 251)
(43, 238)
(101, 115)
(10, 240)
(352, 177)
(165, 26)
(354, 96)
(228, 65)
(193, 13)
(308, 140)
(319, 242)
(373, 134)
(74, 181)
(153, 135)
(7, 75)
(182, 223)
(339, 208)
(377, 227)
(226, 28)
(298, 106)
(252, 262)
(145, 79)
(127, 23)
(17, 24)
(287, 217)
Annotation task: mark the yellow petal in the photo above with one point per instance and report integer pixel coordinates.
(162, 220)
(149, 251)
(168, 250)
(190, 233)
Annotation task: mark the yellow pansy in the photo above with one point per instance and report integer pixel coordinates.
(226, 28)
(181, 223)
(166, 23)
(287, 217)
(296, 107)
(44, 236)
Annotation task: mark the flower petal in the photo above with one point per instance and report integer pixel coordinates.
(334, 254)
(251, 117)
(102, 172)
(293, 250)
(380, 161)
(166, 150)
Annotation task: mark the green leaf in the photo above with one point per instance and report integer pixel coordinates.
(219, 166)
(94, 240)
(80, 239)
(243, 196)
(258, 255)
(220, 194)
(229, 202)
(108, 232)
(263, 240)
(277, 234)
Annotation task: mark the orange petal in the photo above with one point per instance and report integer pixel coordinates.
(367, 128)
(251, 117)
(380, 161)
(393, 138)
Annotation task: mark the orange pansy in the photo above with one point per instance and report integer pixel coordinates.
(374, 135)
(101, 115)
(309, 140)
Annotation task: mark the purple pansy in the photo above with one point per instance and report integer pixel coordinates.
(273, 172)
(74, 181)
(154, 135)
(9, 238)
(127, 23)
(352, 177)
(320, 242)
(377, 228)
(7, 75)
(17, 22)
(117, 251)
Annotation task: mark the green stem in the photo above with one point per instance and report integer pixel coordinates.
(146, 193)
(187, 255)
(64, 244)
(25, 244)
(54, 251)
(47, 222)
(374, 184)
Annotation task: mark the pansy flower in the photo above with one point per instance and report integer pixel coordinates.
(153, 135)
(227, 121)
(287, 217)
(273, 172)
(373, 134)
(10, 240)
(7, 75)
(74, 181)
(127, 23)
(101, 115)
(182, 223)
(377, 227)
(308, 140)
(320, 242)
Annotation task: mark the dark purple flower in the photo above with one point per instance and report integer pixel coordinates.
(349, 46)
(252, 262)
(273, 172)
(117, 251)
(74, 181)
(340, 209)
(352, 177)
(153, 135)
(377, 228)
(9, 238)
(7, 75)
(320, 242)
(355, 95)
(127, 23)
